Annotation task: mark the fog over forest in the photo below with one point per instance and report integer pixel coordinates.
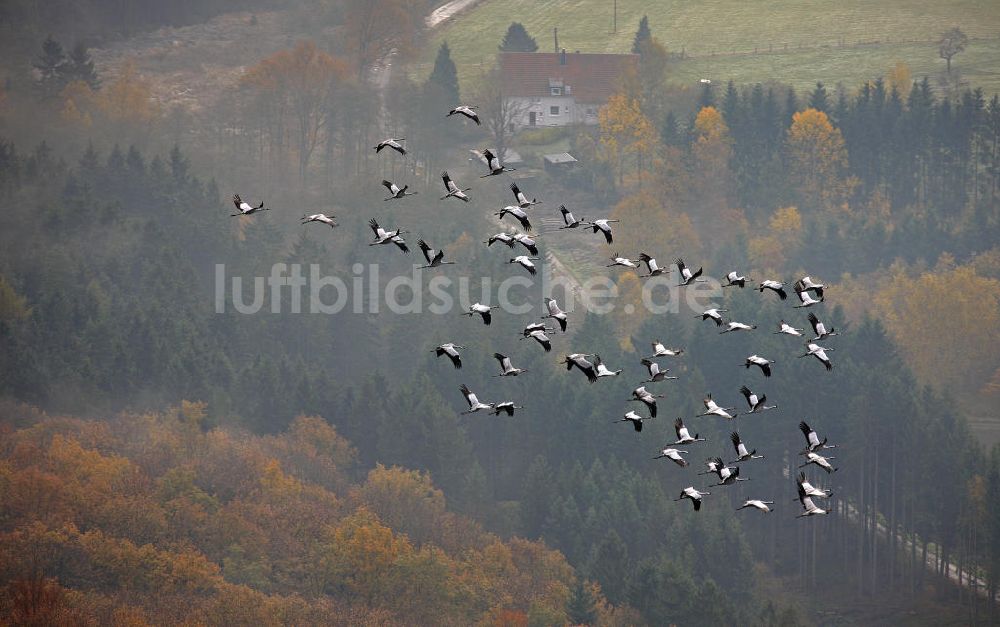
(499, 312)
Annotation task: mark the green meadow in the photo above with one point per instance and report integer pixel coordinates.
(789, 41)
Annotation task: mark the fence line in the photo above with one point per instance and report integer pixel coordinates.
(783, 48)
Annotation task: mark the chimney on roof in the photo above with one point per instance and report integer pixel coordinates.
(555, 39)
(562, 57)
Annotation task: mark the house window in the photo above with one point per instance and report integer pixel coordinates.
(556, 91)
(554, 110)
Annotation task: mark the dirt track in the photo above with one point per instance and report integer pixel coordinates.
(446, 11)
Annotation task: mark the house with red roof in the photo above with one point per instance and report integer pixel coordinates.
(559, 89)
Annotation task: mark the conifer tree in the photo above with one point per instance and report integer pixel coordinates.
(581, 609)
(707, 96)
(80, 67)
(670, 134)
(642, 35)
(517, 39)
(50, 65)
(819, 99)
(610, 566)
(444, 77)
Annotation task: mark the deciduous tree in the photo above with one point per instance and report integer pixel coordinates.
(818, 159)
(300, 83)
(953, 41)
(946, 335)
(499, 114)
(900, 77)
(361, 552)
(626, 134)
(375, 27)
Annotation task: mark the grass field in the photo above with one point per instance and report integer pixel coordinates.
(838, 38)
(979, 66)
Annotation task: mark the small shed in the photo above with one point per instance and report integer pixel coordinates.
(559, 163)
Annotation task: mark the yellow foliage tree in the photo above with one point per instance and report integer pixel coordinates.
(626, 133)
(948, 336)
(786, 222)
(423, 587)
(275, 483)
(709, 126)
(404, 499)
(315, 439)
(361, 552)
(900, 77)
(818, 159)
(651, 227)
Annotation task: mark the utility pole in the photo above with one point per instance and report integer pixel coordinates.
(614, 18)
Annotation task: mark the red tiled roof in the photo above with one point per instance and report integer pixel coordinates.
(592, 78)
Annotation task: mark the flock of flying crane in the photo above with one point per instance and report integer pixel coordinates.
(591, 365)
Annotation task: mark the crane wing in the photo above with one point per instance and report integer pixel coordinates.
(426, 249)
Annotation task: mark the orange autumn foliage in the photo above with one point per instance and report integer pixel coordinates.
(294, 90)
(223, 527)
(818, 159)
(626, 135)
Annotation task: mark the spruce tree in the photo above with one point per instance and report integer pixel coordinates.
(437, 96)
(669, 133)
(80, 67)
(791, 105)
(116, 160)
(707, 96)
(136, 164)
(537, 496)
(581, 609)
(50, 65)
(642, 35)
(819, 99)
(610, 566)
(444, 77)
(517, 39)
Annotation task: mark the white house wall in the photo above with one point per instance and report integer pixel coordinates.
(569, 111)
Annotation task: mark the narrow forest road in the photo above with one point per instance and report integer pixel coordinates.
(446, 11)
(951, 570)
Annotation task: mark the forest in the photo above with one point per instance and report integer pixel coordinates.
(163, 463)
